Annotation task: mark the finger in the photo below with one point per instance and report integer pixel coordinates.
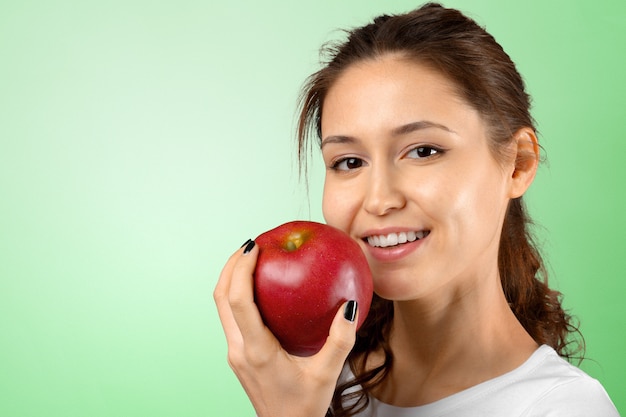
(241, 299)
(341, 338)
(220, 296)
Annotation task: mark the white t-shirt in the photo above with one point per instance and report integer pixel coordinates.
(545, 385)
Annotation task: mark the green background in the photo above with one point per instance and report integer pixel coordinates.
(142, 142)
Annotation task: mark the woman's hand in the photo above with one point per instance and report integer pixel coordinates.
(278, 384)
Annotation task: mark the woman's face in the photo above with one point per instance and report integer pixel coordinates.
(410, 176)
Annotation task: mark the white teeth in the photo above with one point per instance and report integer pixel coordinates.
(393, 239)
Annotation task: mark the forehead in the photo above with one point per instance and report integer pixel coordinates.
(397, 66)
(391, 89)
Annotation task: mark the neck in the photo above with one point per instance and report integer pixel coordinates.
(448, 343)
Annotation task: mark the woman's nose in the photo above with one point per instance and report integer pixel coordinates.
(383, 193)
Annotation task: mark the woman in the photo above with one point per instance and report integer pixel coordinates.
(424, 127)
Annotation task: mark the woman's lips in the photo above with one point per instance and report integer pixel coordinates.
(391, 247)
(393, 239)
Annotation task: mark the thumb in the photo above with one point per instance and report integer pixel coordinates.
(341, 337)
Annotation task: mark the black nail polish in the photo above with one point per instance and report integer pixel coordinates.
(349, 312)
(249, 247)
(245, 243)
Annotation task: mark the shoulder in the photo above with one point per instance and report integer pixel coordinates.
(566, 389)
(545, 385)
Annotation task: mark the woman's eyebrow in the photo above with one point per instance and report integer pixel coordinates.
(420, 125)
(398, 131)
(337, 139)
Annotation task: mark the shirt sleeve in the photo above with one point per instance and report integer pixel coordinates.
(580, 397)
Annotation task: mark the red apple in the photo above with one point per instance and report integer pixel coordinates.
(304, 273)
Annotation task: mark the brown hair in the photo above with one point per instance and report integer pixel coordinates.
(486, 77)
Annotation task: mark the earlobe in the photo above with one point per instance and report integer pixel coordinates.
(526, 161)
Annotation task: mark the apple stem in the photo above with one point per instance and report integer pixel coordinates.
(294, 241)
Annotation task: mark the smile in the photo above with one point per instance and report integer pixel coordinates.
(394, 239)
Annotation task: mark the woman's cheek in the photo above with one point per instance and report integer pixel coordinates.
(336, 206)
(330, 210)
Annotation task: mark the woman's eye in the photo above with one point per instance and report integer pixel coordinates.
(423, 152)
(347, 164)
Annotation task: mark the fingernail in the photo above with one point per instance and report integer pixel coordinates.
(249, 247)
(245, 243)
(349, 312)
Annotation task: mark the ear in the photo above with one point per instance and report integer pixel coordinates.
(526, 148)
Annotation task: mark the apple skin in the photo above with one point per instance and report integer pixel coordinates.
(305, 272)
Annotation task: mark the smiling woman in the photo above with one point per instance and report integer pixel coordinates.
(425, 177)
(425, 130)
(141, 141)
